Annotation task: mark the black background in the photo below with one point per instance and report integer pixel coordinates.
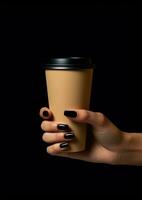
(29, 35)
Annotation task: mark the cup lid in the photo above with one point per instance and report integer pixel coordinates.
(69, 63)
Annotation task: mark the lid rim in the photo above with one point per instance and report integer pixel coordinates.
(69, 63)
(69, 67)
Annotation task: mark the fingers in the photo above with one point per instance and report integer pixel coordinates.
(86, 116)
(52, 126)
(45, 113)
(57, 148)
(57, 133)
(60, 141)
(58, 137)
(78, 115)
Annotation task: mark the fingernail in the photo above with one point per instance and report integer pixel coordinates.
(63, 127)
(69, 135)
(64, 145)
(70, 113)
(45, 113)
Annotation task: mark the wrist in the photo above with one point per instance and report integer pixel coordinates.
(132, 142)
(130, 152)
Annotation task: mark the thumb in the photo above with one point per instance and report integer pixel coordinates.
(86, 116)
(105, 132)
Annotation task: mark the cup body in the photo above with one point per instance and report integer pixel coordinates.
(70, 88)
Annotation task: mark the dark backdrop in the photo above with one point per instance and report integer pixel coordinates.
(29, 35)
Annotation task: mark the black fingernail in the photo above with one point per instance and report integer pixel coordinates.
(45, 113)
(69, 135)
(70, 113)
(63, 127)
(64, 145)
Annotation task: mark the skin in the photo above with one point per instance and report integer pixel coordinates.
(105, 143)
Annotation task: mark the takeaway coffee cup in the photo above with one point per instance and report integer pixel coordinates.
(69, 82)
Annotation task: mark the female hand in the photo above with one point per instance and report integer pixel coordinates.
(104, 142)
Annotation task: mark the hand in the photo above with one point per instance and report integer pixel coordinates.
(104, 142)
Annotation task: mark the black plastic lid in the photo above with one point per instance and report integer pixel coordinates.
(69, 63)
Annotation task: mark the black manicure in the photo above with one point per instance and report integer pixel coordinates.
(70, 113)
(63, 127)
(69, 135)
(45, 113)
(64, 145)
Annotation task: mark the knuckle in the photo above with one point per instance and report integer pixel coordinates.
(52, 149)
(47, 126)
(84, 115)
(46, 138)
(43, 124)
(53, 137)
(49, 150)
(101, 118)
